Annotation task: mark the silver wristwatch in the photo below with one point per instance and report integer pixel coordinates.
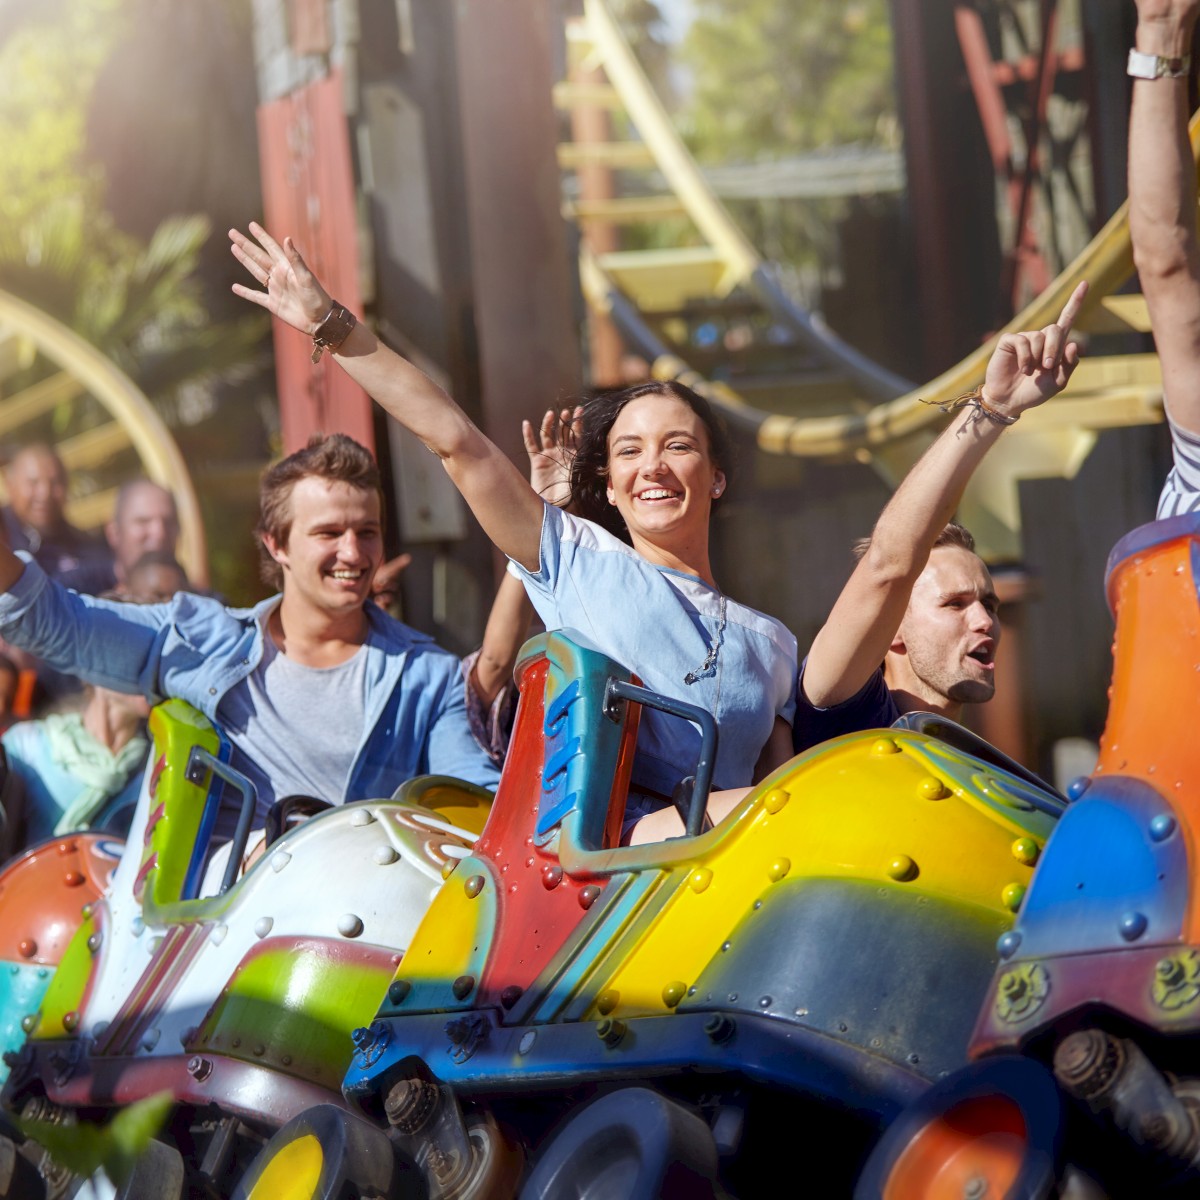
(1155, 66)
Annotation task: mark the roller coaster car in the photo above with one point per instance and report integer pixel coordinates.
(241, 1003)
(1088, 1074)
(668, 1020)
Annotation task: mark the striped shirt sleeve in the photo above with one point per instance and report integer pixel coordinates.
(1181, 492)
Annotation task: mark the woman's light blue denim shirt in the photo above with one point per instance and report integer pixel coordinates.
(661, 624)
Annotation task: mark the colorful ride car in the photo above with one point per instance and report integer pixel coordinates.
(1085, 1081)
(235, 990)
(669, 1019)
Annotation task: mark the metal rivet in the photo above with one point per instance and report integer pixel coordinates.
(551, 877)
(73, 878)
(932, 788)
(883, 746)
(902, 868)
(218, 934)
(360, 817)
(349, 925)
(386, 855)
(1078, 786)
(70, 1021)
(1026, 850)
(587, 895)
(398, 991)
(1132, 925)
(1008, 943)
(778, 869)
(463, 986)
(607, 1001)
(511, 995)
(29, 1023)
(473, 886)
(93, 942)
(27, 948)
(1012, 896)
(279, 860)
(526, 1043)
(263, 926)
(1162, 826)
(673, 992)
(765, 1001)
(699, 879)
(775, 799)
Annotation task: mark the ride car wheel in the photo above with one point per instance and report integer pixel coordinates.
(327, 1153)
(158, 1174)
(635, 1144)
(991, 1129)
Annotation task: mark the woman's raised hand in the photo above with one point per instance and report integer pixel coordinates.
(551, 449)
(293, 293)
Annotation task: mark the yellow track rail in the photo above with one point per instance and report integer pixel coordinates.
(1107, 391)
(81, 370)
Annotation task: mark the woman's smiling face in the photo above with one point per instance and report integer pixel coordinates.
(661, 476)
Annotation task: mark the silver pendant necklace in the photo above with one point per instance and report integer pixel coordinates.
(714, 650)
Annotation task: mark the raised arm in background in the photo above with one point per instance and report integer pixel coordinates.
(1162, 201)
(502, 501)
(1025, 370)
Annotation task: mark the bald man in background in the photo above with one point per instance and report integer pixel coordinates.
(144, 521)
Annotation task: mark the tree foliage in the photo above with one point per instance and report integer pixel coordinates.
(777, 77)
(138, 301)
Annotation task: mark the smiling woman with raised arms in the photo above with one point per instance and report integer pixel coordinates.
(629, 567)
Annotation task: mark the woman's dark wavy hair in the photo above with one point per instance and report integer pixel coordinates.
(589, 472)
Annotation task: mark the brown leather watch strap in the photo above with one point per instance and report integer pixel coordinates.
(333, 331)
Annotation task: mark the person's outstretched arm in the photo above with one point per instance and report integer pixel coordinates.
(1025, 370)
(1162, 203)
(551, 450)
(503, 503)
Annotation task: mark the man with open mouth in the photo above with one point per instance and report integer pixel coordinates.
(916, 628)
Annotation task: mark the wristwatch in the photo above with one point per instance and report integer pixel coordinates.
(333, 330)
(1155, 66)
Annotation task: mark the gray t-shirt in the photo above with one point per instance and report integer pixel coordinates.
(295, 729)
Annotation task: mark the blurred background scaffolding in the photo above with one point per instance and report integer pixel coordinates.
(913, 172)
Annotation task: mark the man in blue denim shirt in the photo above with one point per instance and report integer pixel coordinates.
(320, 692)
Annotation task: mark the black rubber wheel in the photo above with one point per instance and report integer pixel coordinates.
(19, 1178)
(993, 1128)
(327, 1153)
(633, 1144)
(157, 1175)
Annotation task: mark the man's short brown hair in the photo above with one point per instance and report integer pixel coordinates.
(337, 458)
(953, 535)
